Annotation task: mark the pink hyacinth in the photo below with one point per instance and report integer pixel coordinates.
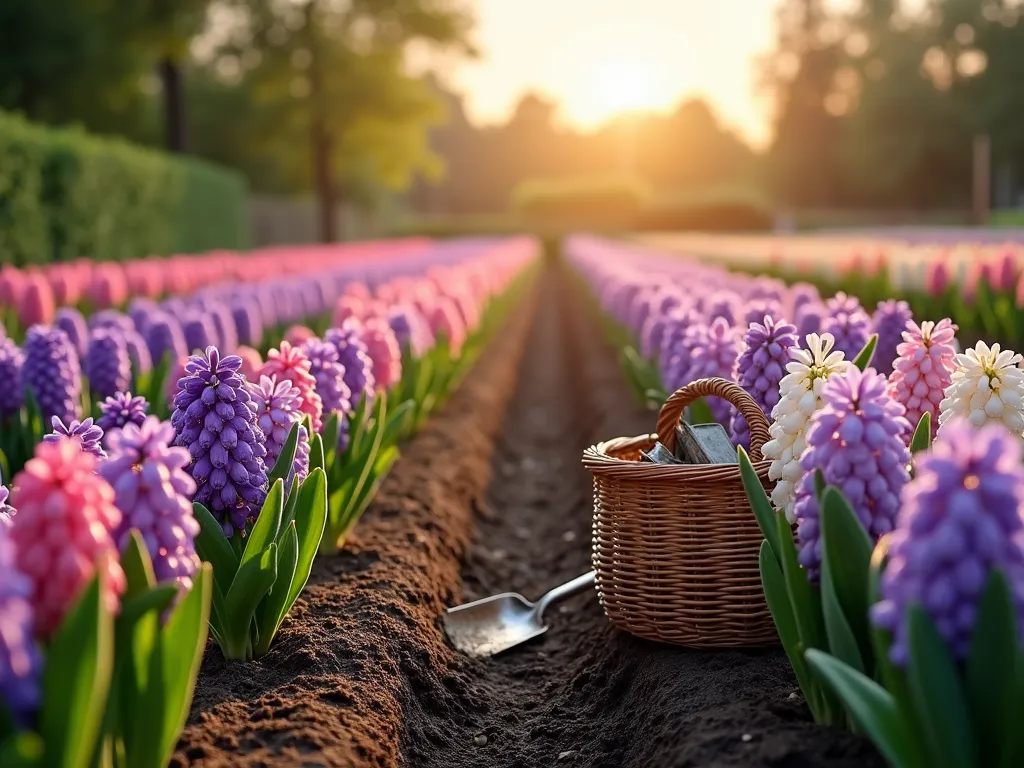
(382, 346)
(37, 304)
(291, 363)
(252, 361)
(923, 369)
(446, 321)
(109, 286)
(348, 306)
(936, 276)
(297, 335)
(63, 531)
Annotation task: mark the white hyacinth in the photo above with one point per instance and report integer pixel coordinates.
(800, 396)
(987, 385)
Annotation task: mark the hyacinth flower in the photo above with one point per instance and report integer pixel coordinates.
(164, 337)
(37, 304)
(329, 375)
(278, 408)
(252, 361)
(714, 350)
(410, 330)
(758, 309)
(924, 369)
(800, 396)
(20, 660)
(120, 409)
(445, 322)
(138, 353)
(215, 419)
(70, 320)
(986, 386)
(107, 365)
(890, 321)
(6, 510)
(760, 368)
(88, 435)
(248, 322)
(154, 493)
(848, 324)
(857, 440)
(52, 373)
(297, 335)
(354, 358)
(384, 352)
(12, 395)
(63, 531)
(199, 330)
(291, 363)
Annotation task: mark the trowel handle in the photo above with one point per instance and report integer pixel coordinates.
(568, 589)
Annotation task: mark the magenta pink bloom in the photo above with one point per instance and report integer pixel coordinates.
(252, 361)
(382, 346)
(348, 306)
(63, 531)
(109, 286)
(446, 321)
(936, 276)
(37, 303)
(923, 369)
(297, 335)
(291, 363)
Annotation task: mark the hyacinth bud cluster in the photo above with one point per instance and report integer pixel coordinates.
(70, 320)
(892, 318)
(857, 439)
(278, 407)
(924, 369)
(107, 364)
(164, 337)
(12, 395)
(761, 367)
(138, 351)
(87, 434)
(51, 372)
(354, 358)
(291, 364)
(848, 323)
(987, 385)
(20, 660)
(329, 375)
(714, 350)
(154, 493)
(800, 396)
(215, 419)
(63, 531)
(962, 517)
(121, 408)
(248, 322)
(384, 352)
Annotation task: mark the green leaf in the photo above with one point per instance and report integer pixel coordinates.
(254, 579)
(213, 547)
(268, 524)
(137, 565)
(841, 640)
(802, 596)
(922, 439)
(759, 502)
(76, 681)
(698, 412)
(863, 358)
(275, 606)
(871, 707)
(317, 459)
(155, 599)
(330, 438)
(991, 672)
(819, 483)
(23, 749)
(846, 548)
(937, 695)
(286, 458)
(310, 521)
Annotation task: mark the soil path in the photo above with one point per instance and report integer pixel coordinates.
(491, 497)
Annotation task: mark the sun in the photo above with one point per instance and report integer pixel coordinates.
(619, 83)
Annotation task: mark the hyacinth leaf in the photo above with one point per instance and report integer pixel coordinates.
(330, 438)
(870, 706)
(698, 412)
(841, 641)
(863, 358)
(802, 596)
(268, 524)
(317, 460)
(819, 484)
(310, 521)
(922, 439)
(214, 548)
(286, 458)
(137, 566)
(254, 579)
(846, 550)
(290, 502)
(156, 599)
(76, 681)
(357, 427)
(774, 585)
(274, 607)
(991, 672)
(393, 427)
(22, 749)
(937, 695)
(759, 502)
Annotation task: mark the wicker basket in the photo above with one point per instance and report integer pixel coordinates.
(676, 546)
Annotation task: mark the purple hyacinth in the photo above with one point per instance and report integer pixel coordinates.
(90, 435)
(138, 352)
(107, 363)
(761, 367)
(224, 326)
(300, 465)
(329, 374)
(809, 319)
(248, 323)
(154, 493)
(890, 321)
(21, 663)
(674, 356)
(758, 309)
(12, 394)
(52, 373)
(278, 407)
(724, 304)
(354, 358)
(6, 510)
(801, 295)
(121, 408)
(848, 323)
(111, 318)
(199, 330)
(70, 320)
(713, 353)
(215, 418)
(856, 439)
(962, 518)
(164, 337)
(411, 329)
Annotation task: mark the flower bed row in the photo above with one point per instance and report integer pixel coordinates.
(127, 535)
(893, 565)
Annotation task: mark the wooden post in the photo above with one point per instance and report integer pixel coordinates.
(982, 179)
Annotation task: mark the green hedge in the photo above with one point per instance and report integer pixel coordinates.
(65, 194)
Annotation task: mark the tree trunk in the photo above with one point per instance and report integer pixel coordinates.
(175, 133)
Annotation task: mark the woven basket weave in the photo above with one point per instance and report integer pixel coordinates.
(676, 546)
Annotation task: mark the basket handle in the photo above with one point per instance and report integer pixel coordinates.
(673, 409)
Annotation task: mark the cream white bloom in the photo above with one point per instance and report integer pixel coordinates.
(987, 385)
(800, 396)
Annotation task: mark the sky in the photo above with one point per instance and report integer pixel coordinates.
(600, 57)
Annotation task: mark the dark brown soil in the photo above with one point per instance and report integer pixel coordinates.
(491, 497)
